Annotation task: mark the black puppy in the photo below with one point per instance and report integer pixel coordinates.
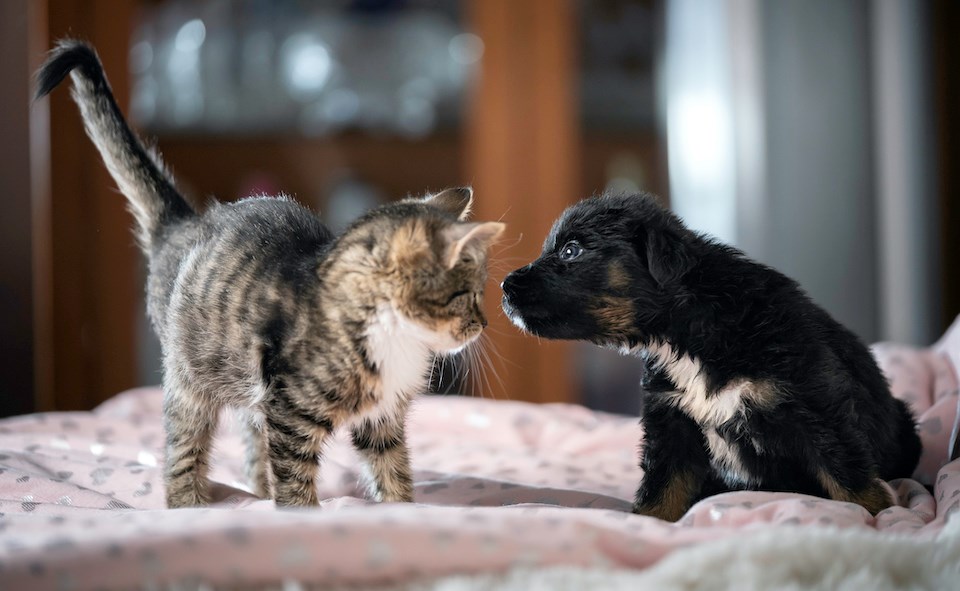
(750, 385)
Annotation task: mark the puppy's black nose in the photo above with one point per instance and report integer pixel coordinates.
(509, 285)
(510, 281)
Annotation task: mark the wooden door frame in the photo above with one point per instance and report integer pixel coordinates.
(522, 151)
(86, 264)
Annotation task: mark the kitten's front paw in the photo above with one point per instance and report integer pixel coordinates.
(261, 488)
(395, 492)
(192, 496)
(296, 497)
(395, 489)
(395, 497)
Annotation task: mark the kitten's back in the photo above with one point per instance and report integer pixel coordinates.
(236, 254)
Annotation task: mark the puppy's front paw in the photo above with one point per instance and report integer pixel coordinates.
(665, 511)
(667, 496)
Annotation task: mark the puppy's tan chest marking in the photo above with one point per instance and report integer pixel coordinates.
(712, 408)
(726, 459)
(709, 408)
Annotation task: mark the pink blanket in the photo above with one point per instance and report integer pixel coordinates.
(498, 484)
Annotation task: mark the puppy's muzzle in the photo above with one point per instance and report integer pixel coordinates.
(512, 283)
(514, 295)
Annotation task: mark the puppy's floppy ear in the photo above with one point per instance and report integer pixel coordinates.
(668, 258)
(455, 201)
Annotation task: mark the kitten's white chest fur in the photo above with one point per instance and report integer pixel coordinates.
(401, 351)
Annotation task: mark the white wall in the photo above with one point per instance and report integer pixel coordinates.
(823, 127)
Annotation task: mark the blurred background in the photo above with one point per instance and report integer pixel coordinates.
(821, 137)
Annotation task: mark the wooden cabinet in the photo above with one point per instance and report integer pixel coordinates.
(521, 145)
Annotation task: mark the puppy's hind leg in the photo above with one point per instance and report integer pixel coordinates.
(674, 459)
(847, 472)
(872, 496)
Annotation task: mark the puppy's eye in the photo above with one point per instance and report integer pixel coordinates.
(570, 251)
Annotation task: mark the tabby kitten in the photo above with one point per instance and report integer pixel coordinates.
(259, 307)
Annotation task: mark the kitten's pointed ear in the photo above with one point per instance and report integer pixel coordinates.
(668, 258)
(455, 201)
(460, 236)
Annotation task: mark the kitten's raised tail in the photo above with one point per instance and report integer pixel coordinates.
(138, 171)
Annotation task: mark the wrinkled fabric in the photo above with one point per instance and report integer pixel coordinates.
(499, 484)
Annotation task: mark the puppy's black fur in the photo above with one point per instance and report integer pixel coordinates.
(749, 384)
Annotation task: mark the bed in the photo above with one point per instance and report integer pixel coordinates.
(508, 495)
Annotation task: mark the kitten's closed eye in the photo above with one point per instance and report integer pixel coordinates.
(456, 295)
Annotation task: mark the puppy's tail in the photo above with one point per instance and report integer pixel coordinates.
(137, 170)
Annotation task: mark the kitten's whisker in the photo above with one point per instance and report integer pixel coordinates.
(483, 379)
(443, 362)
(476, 371)
(510, 334)
(513, 259)
(464, 368)
(480, 371)
(490, 347)
(433, 369)
(473, 369)
(508, 246)
(500, 357)
(461, 369)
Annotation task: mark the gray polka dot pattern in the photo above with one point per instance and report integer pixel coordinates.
(498, 484)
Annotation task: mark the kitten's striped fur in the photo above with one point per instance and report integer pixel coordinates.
(258, 306)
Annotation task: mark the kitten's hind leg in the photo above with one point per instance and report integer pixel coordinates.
(257, 466)
(295, 438)
(383, 445)
(675, 462)
(189, 423)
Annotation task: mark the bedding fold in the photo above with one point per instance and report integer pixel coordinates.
(499, 485)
